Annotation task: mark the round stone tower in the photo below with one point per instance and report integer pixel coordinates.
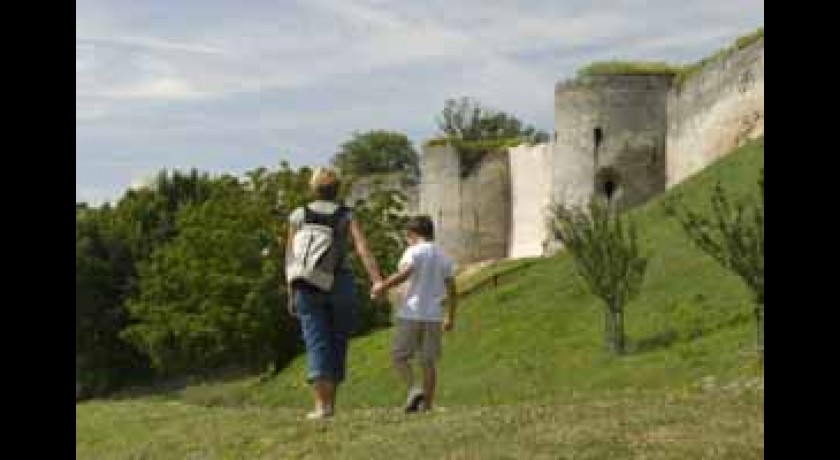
(610, 134)
(470, 208)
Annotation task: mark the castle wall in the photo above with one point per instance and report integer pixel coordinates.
(439, 194)
(574, 164)
(628, 137)
(530, 188)
(471, 214)
(715, 111)
(611, 130)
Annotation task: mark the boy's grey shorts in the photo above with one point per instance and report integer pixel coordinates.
(421, 337)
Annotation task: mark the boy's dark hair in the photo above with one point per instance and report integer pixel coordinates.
(421, 225)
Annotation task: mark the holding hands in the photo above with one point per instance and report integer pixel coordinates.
(377, 289)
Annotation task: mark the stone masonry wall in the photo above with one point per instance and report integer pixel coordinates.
(715, 111)
(530, 187)
(471, 214)
(611, 138)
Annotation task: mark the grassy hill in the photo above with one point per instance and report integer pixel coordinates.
(524, 375)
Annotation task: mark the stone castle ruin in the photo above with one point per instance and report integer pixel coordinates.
(626, 138)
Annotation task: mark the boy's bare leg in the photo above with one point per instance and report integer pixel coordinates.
(429, 381)
(403, 368)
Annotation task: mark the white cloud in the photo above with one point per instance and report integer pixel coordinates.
(168, 88)
(358, 15)
(143, 181)
(94, 196)
(151, 44)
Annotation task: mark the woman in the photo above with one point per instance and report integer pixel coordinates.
(327, 317)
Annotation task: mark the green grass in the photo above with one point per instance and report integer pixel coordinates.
(741, 42)
(481, 144)
(472, 152)
(524, 375)
(747, 40)
(627, 424)
(617, 67)
(681, 73)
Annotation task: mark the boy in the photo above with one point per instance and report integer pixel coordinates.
(420, 318)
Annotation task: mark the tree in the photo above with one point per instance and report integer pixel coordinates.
(186, 276)
(734, 237)
(466, 119)
(208, 299)
(606, 256)
(110, 244)
(145, 218)
(377, 151)
(474, 130)
(103, 264)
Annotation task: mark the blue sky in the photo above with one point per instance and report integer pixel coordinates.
(229, 86)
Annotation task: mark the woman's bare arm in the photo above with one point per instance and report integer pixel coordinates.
(290, 304)
(361, 246)
(289, 238)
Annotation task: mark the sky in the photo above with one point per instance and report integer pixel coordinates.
(231, 86)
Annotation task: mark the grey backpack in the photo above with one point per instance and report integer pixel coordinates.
(315, 253)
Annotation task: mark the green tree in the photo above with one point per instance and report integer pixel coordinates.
(474, 131)
(734, 237)
(103, 360)
(186, 275)
(377, 151)
(208, 298)
(110, 244)
(145, 218)
(606, 256)
(466, 119)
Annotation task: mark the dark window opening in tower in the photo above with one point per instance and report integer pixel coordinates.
(607, 183)
(599, 137)
(609, 189)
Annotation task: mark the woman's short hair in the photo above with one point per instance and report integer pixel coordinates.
(325, 184)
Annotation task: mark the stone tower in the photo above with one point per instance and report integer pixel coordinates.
(471, 209)
(610, 138)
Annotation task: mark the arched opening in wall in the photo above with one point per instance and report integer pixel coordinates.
(607, 183)
(598, 135)
(609, 188)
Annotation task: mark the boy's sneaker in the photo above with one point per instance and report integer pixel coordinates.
(319, 414)
(415, 400)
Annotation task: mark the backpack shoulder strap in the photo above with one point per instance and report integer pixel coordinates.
(341, 212)
(329, 220)
(307, 214)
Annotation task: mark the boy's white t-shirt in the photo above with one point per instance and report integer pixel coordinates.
(425, 288)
